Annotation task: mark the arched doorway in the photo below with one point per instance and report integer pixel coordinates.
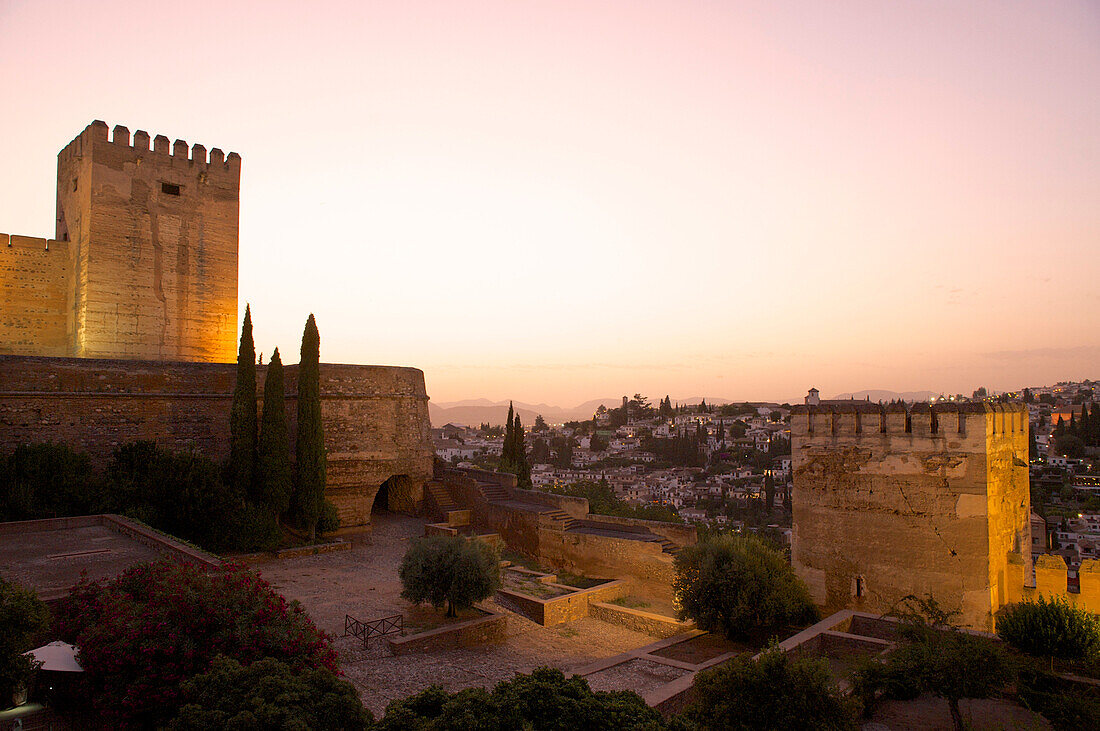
(395, 495)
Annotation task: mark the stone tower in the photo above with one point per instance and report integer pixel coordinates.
(151, 238)
(891, 502)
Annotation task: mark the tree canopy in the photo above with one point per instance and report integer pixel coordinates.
(738, 585)
(242, 421)
(449, 570)
(269, 694)
(774, 691)
(544, 700)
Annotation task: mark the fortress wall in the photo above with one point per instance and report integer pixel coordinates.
(1051, 581)
(1009, 497)
(155, 246)
(375, 417)
(905, 500)
(35, 278)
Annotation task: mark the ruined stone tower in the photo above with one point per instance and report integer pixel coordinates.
(890, 502)
(144, 260)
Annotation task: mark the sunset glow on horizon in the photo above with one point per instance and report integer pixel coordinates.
(554, 202)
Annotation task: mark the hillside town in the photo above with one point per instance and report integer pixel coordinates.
(736, 470)
(723, 466)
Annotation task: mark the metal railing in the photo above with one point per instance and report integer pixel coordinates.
(374, 629)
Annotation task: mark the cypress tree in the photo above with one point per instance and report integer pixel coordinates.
(519, 455)
(242, 420)
(507, 453)
(309, 447)
(274, 479)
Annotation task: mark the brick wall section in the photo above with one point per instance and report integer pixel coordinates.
(375, 417)
(35, 279)
(649, 623)
(931, 500)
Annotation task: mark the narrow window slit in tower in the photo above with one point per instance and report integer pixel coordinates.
(169, 189)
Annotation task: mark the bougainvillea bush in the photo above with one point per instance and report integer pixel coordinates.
(156, 625)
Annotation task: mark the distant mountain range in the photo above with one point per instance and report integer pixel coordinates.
(472, 412)
(877, 395)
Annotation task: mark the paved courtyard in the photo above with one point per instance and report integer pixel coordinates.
(363, 582)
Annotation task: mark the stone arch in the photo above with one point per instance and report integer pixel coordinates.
(397, 494)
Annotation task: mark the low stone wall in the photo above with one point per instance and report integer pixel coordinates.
(163, 543)
(559, 609)
(297, 551)
(649, 623)
(490, 629)
(647, 568)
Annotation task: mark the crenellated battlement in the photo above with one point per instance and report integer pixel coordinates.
(178, 153)
(34, 243)
(920, 419)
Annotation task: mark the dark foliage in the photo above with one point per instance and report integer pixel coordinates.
(740, 586)
(269, 694)
(602, 500)
(274, 479)
(775, 691)
(544, 700)
(24, 620)
(47, 481)
(157, 625)
(242, 420)
(309, 485)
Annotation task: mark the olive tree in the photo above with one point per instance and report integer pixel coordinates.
(449, 570)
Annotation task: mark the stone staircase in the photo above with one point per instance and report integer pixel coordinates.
(493, 492)
(564, 520)
(668, 546)
(441, 497)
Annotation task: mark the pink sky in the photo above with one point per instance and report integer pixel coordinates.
(555, 201)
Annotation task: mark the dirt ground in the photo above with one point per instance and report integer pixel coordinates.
(363, 582)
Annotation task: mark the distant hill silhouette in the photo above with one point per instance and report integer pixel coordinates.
(479, 411)
(877, 395)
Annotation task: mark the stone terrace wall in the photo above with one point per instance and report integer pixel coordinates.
(642, 564)
(375, 417)
(35, 282)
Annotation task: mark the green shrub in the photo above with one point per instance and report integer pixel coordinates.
(544, 700)
(1052, 628)
(47, 481)
(269, 694)
(737, 585)
(775, 691)
(23, 622)
(329, 522)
